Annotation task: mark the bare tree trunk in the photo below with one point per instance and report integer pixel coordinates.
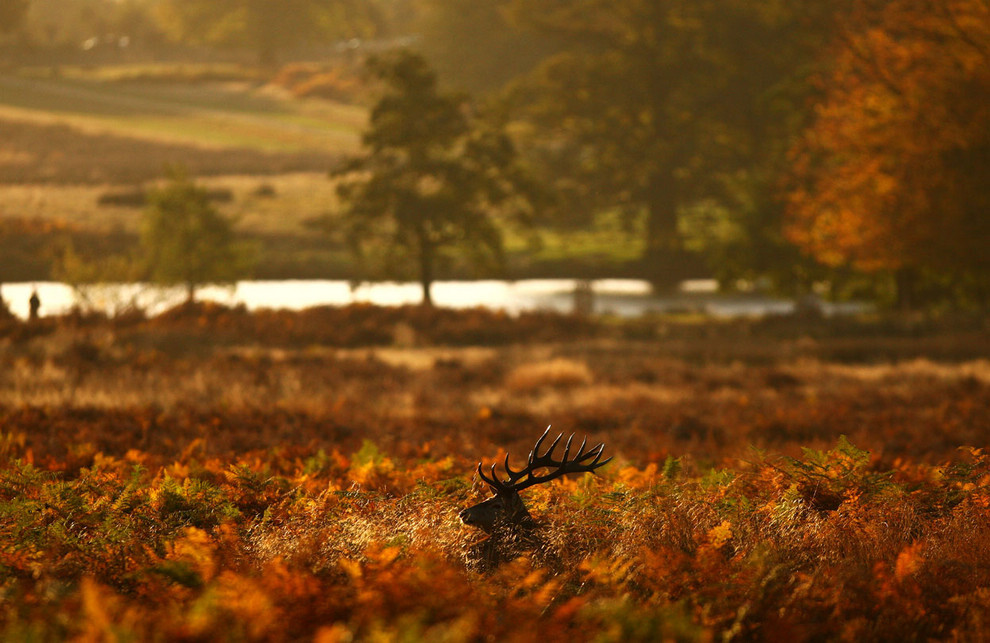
(663, 247)
(426, 259)
(906, 281)
(427, 295)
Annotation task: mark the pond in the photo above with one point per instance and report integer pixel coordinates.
(622, 297)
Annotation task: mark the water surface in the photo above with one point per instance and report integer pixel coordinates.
(623, 297)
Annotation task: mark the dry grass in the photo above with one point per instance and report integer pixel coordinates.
(638, 395)
(261, 205)
(185, 487)
(555, 373)
(55, 153)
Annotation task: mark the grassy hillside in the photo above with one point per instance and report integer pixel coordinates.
(213, 115)
(70, 140)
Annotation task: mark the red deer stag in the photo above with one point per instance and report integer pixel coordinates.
(504, 517)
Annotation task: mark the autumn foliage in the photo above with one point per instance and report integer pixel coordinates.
(892, 174)
(238, 491)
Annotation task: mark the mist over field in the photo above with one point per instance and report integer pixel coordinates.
(275, 277)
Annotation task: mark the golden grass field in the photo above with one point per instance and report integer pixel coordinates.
(202, 475)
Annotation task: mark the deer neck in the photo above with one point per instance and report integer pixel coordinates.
(516, 515)
(502, 512)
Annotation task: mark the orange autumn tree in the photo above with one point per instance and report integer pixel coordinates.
(892, 173)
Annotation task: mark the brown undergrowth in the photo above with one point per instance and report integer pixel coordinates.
(239, 490)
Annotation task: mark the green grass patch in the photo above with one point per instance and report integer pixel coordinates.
(609, 240)
(233, 114)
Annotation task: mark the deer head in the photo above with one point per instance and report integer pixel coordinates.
(506, 508)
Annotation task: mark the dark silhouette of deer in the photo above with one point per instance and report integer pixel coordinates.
(504, 517)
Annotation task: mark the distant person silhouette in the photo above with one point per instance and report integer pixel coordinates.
(35, 305)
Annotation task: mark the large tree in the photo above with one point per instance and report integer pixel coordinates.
(267, 26)
(892, 175)
(656, 105)
(433, 179)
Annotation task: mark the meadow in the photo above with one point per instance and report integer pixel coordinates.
(79, 144)
(211, 474)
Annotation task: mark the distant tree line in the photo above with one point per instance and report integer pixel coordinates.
(802, 142)
(798, 143)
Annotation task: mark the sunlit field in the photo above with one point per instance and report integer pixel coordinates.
(259, 205)
(233, 113)
(210, 474)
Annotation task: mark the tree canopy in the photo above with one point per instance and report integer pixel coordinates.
(653, 104)
(185, 241)
(892, 175)
(474, 45)
(434, 177)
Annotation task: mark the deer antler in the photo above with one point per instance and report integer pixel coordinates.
(525, 478)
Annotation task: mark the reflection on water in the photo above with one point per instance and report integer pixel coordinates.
(623, 297)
